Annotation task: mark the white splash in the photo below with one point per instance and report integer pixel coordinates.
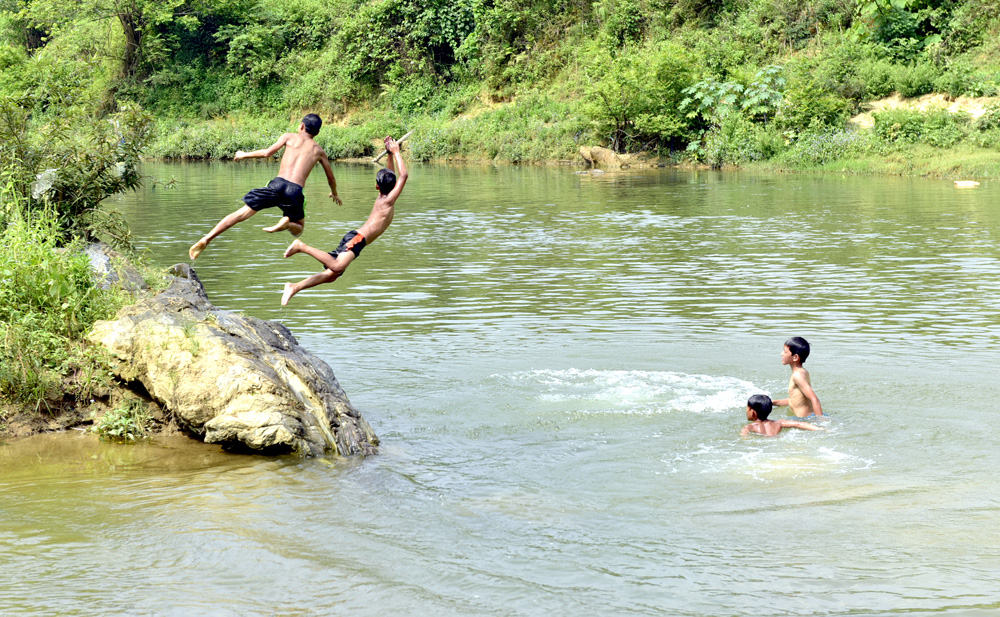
(633, 392)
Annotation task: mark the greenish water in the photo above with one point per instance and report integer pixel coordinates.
(557, 366)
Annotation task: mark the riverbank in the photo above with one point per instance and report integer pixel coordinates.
(932, 136)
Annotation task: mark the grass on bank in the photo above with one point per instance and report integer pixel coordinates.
(49, 300)
(129, 421)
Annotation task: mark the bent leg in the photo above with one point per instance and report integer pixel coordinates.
(326, 276)
(294, 227)
(236, 217)
(328, 260)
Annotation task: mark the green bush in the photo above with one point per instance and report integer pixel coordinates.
(898, 125)
(129, 421)
(634, 99)
(943, 129)
(990, 119)
(962, 79)
(807, 105)
(737, 141)
(915, 79)
(48, 300)
(819, 147)
(878, 75)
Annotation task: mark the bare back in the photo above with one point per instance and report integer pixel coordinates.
(799, 403)
(300, 156)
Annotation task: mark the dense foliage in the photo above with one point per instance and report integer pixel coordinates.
(685, 76)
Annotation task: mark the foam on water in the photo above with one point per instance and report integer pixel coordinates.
(793, 455)
(632, 392)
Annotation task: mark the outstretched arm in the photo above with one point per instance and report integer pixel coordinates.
(325, 162)
(264, 153)
(807, 390)
(802, 425)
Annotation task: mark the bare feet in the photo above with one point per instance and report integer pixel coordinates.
(293, 248)
(196, 249)
(289, 292)
(279, 226)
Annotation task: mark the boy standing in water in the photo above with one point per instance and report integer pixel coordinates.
(285, 191)
(801, 397)
(389, 187)
(758, 408)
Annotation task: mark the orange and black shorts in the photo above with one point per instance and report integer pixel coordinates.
(353, 242)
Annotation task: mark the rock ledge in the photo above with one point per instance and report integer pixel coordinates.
(229, 379)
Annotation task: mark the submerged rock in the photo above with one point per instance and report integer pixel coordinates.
(230, 379)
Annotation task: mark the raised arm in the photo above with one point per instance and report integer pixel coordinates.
(806, 388)
(395, 157)
(264, 153)
(324, 161)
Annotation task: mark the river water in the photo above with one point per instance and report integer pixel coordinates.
(557, 365)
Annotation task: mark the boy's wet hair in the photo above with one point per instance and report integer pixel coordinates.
(798, 346)
(385, 180)
(312, 124)
(761, 403)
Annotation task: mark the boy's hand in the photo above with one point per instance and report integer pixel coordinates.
(391, 145)
(239, 155)
(336, 198)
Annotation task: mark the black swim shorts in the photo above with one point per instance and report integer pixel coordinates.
(353, 242)
(281, 193)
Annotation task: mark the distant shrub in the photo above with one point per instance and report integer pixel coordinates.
(987, 139)
(943, 129)
(898, 125)
(828, 145)
(938, 128)
(808, 105)
(737, 141)
(915, 79)
(961, 79)
(990, 119)
(878, 77)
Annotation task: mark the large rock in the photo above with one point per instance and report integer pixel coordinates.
(596, 156)
(231, 379)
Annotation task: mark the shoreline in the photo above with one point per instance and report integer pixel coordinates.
(900, 165)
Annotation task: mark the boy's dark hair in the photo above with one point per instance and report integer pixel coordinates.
(798, 346)
(761, 403)
(312, 123)
(385, 180)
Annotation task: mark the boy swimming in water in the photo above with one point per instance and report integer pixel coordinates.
(285, 191)
(758, 408)
(801, 398)
(389, 187)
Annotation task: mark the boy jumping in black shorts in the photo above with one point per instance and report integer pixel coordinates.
(285, 191)
(389, 187)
